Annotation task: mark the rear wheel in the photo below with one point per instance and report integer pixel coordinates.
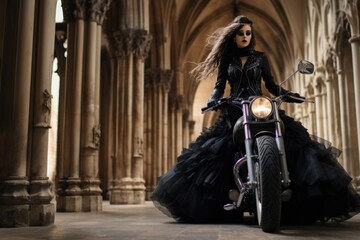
(268, 192)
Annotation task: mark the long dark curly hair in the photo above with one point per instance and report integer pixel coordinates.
(222, 44)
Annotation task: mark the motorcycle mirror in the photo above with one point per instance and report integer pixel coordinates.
(305, 67)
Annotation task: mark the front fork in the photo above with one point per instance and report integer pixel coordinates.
(249, 149)
(281, 146)
(252, 184)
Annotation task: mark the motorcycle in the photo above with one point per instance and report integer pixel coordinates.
(259, 131)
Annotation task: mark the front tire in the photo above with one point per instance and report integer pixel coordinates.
(268, 192)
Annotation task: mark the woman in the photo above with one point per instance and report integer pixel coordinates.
(196, 188)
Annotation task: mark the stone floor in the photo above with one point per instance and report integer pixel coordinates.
(134, 222)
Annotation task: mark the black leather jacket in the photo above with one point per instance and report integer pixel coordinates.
(245, 80)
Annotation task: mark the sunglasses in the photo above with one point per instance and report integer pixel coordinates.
(242, 33)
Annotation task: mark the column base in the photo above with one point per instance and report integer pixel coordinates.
(121, 197)
(69, 203)
(42, 214)
(92, 203)
(139, 190)
(14, 216)
(127, 191)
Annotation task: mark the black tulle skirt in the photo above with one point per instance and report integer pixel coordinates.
(196, 188)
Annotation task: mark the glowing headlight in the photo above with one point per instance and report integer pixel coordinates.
(261, 107)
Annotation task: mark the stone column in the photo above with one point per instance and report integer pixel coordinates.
(90, 126)
(104, 96)
(173, 142)
(155, 119)
(42, 212)
(14, 197)
(179, 125)
(126, 180)
(141, 45)
(345, 145)
(355, 50)
(150, 181)
(191, 128)
(185, 123)
(319, 109)
(121, 45)
(69, 191)
(166, 78)
(330, 110)
(311, 118)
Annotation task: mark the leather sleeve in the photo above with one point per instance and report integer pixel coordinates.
(220, 84)
(268, 78)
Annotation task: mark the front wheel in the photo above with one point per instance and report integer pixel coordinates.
(268, 192)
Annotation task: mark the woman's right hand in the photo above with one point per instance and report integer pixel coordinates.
(293, 98)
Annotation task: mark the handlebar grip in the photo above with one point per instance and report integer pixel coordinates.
(203, 109)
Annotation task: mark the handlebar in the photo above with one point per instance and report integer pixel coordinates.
(283, 98)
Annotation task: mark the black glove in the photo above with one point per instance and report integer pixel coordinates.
(214, 97)
(293, 98)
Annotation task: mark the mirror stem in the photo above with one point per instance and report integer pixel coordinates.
(288, 78)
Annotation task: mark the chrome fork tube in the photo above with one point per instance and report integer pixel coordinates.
(248, 145)
(281, 146)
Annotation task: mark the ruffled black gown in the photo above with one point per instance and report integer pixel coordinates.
(196, 188)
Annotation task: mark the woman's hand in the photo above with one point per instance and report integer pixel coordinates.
(293, 98)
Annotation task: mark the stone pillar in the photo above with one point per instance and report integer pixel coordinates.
(126, 181)
(156, 95)
(344, 120)
(179, 125)
(155, 130)
(120, 45)
(150, 181)
(355, 50)
(90, 128)
(69, 191)
(191, 128)
(42, 212)
(104, 97)
(79, 184)
(185, 123)
(14, 196)
(319, 106)
(166, 78)
(141, 45)
(312, 116)
(330, 110)
(173, 142)
(342, 106)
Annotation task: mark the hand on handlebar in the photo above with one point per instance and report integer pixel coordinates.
(211, 105)
(293, 98)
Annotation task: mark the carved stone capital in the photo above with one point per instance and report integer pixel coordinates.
(121, 43)
(92, 10)
(141, 43)
(175, 101)
(159, 79)
(96, 10)
(73, 9)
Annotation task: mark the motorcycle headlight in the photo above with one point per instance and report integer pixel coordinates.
(261, 107)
